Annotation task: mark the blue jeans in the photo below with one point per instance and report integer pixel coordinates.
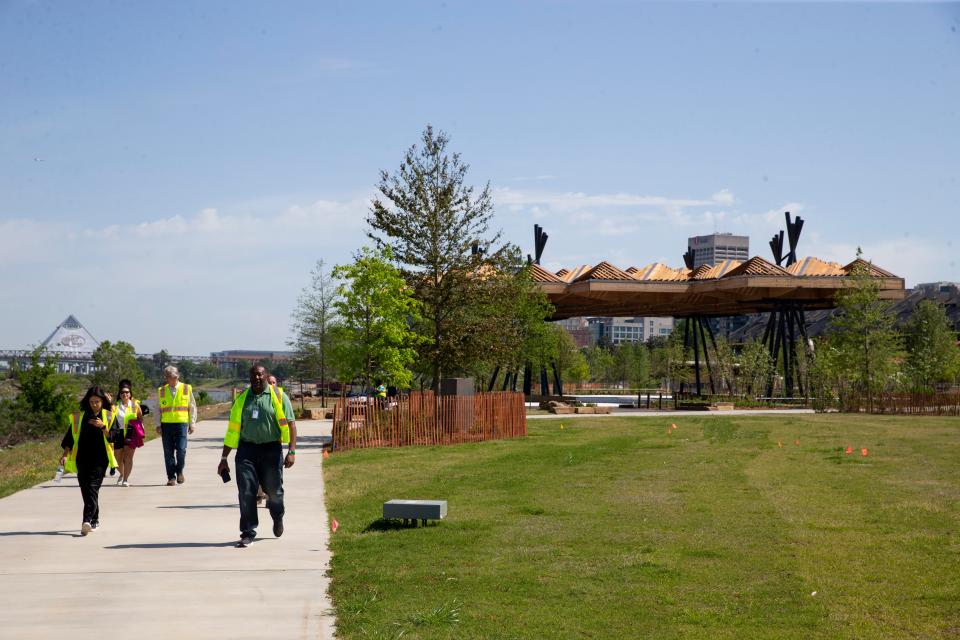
(174, 435)
(259, 465)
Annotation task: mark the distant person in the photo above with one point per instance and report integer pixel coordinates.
(257, 429)
(129, 432)
(87, 452)
(178, 415)
(380, 394)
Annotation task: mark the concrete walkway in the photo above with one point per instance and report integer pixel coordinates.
(163, 563)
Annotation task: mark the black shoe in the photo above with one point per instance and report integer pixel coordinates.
(95, 525)
(278, 527)
(245, 540)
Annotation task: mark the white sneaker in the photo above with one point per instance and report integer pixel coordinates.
(85, 528)
(125, 484)
(120, 480)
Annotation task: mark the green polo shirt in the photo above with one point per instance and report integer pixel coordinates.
(258, 422)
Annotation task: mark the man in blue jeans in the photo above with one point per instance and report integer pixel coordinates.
(257, 429)
(178, 414)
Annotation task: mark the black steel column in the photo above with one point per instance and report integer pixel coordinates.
(696, 352)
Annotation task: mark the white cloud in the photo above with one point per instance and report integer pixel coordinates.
(219, 257)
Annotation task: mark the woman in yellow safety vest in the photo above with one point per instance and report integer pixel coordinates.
(129, 430)
(88, 453)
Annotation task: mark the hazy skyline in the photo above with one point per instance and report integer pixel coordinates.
(169, 173)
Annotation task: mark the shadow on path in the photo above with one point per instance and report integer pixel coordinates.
(199, 506)
(69, 534)
(171, 545)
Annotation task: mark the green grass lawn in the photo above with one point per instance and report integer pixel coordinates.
(613, 528)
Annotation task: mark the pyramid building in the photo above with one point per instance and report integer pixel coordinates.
(70, 338)
(73, 344)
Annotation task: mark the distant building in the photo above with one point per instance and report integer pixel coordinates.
(938, 287)
(630, 329)
(579, 330)
(718, 247)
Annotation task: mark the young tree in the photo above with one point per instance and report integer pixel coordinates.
(114, 362)
(601, 363)
(863, 334)
(436, 227)
(375, 309)
(42, 389)
(637, 371)
(313, 320)
(756, 367)
(724, 366)
(931, 342)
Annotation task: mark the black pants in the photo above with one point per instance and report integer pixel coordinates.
(259, 465)
(90, 479)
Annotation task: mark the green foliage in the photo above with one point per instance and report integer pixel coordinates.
(571, 362)
(931, 342)
(863, 336)
(375, 309)
(42, 389)
(114, 362)
(724, 367)
(194, 371)
(601, 363)
(45, 398)
(676, 361)
(437, 228)
(756, 368)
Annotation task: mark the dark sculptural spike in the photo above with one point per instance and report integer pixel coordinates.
(688, 259)
(793, 236)
(539, 243)
(776, 245)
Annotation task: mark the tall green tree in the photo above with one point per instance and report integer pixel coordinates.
(863, 334)
(438, 229)
(114, 361)
(313, 321)
(931, 343)
(376, 310)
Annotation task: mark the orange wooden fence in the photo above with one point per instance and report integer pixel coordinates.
(423, 418)
(941, 403)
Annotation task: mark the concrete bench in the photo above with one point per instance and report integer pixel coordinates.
(414, 510)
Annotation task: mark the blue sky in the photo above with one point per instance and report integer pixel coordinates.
(169, 172)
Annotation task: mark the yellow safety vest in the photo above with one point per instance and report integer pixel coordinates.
(75, 419)
(129, 414)
(174, 408)
(232, 437)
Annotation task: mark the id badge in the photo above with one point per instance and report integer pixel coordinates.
(255, 413)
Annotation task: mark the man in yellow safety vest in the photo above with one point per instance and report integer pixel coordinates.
(178, 414)
(257, 429)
